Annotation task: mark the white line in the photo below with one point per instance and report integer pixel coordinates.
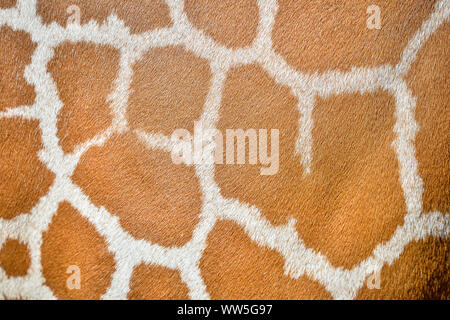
(128, 252)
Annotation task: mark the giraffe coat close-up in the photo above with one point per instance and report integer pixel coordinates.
(224, 149)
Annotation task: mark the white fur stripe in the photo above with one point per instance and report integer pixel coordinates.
(128, 252)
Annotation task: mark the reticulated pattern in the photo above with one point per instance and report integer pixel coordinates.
(129, 252)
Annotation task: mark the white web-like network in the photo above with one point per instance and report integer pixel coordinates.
(129, 252)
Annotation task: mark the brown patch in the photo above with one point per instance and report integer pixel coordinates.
(323, 35)
(72, 241)
(138, 15)
(234, 267)
(430, 83)
(16, 49)
(24, 178)
(252, 100)
(352, 197)
(84, 75)
(156, 283)
(154, 199)
(169, 89)
(6, 4)
(232, 23)
(15, 258)
(421, 272)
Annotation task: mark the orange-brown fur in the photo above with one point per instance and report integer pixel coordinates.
(351, 202)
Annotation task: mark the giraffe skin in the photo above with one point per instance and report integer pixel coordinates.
(91, 91)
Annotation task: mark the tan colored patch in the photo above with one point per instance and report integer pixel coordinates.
(154, 199)
(138, 15)
(323, 35)
(354, 178)
(352, 200)
(84, 75)
(421, 272)
(24, 179)
(168, 90)
(234, 267)
(430, 83)
(156, 283)
(232, 23)
(15, 258)
(16, 49)
(5, 4)
(72, 241)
